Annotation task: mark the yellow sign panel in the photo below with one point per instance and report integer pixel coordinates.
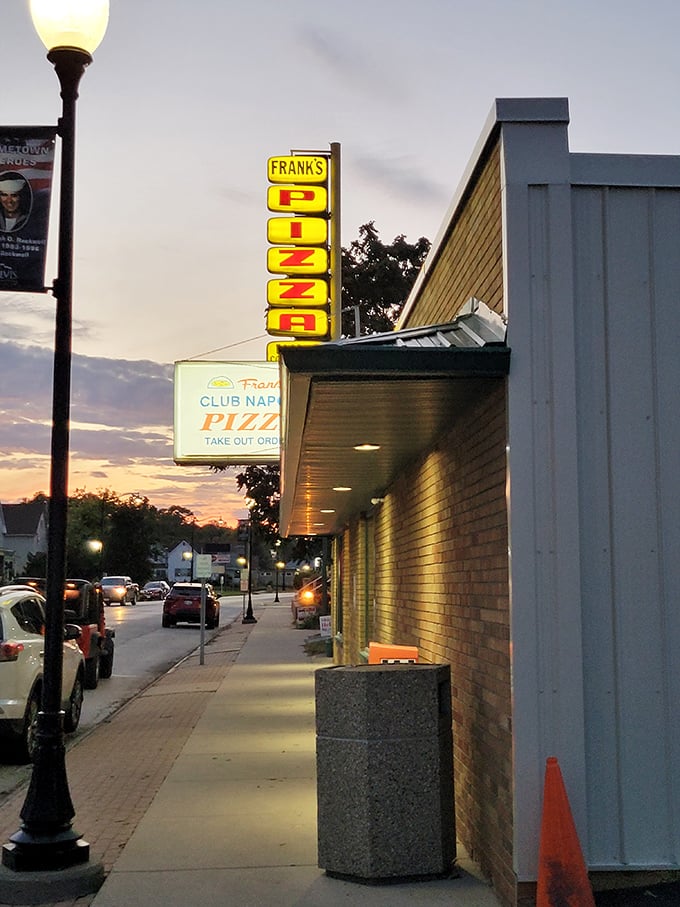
(297, 231)
(297, 291)
(273, 348)
(297, 322)
(297, 168)
(297, 199)
(297, 260)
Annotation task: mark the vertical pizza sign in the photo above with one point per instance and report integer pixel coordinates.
(300, 293)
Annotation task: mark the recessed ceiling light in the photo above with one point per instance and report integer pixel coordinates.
(342, 488)
(363, 447)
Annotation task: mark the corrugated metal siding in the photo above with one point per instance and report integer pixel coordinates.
(627, 289)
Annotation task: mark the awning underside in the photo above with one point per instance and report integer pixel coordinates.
(400, 391)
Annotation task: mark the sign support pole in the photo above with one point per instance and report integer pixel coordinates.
(335, 246)
(201, 659)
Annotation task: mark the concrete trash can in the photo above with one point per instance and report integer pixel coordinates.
(384, 751)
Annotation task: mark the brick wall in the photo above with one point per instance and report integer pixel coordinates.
(355, 604)
(471, 261)
(441, 583)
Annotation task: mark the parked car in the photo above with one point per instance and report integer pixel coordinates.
(22, 647)
(183, 605)
(156, 590)
(119, 590)
(39, 583)
(84, 605)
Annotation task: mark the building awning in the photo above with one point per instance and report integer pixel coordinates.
(398, 392)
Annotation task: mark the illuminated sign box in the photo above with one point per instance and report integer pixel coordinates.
(296, 168)
(297, 291)
(297, 260)
(274, 347)
(297, 231)
(298, 199)
(297, 322)
(226, 413)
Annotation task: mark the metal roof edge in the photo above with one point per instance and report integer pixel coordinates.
(345, 361)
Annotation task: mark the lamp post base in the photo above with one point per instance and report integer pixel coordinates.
(249, 620)
(25, 853)
(51, 885)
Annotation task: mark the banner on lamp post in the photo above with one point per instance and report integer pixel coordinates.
(26, 166)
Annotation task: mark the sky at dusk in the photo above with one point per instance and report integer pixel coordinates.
(178, 113)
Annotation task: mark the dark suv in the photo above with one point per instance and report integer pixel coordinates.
(119, 590)
(183, 605)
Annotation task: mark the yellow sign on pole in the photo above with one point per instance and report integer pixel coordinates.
(274, 347)
(297, 199)
(297, 322)
(297, 260)
(297, 291)
(297, 168)
(297, 231)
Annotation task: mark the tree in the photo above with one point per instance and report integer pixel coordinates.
(263, 486)
(377, 278)
(131, 537)
(126, 528)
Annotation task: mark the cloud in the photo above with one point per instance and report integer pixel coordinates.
(400, 177)
(118, 393)
(350, 64)
(121, 432)
(121, 411)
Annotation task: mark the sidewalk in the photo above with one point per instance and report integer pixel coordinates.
(234, 822)
(201, 790)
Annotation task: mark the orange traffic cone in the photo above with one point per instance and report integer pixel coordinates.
(562, 876)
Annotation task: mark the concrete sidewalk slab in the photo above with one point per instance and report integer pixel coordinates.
(234, 822)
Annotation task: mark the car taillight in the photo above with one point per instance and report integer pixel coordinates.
(9, 651)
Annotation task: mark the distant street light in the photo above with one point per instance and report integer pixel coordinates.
(189, 556)
(97, 547)
(71, 30)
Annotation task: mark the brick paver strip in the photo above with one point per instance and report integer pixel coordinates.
(115, 771)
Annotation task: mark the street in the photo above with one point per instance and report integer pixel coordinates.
(143, 651)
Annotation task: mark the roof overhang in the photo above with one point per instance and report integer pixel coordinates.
(336, 396)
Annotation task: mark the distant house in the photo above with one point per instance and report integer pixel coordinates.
(23, 531)
(179, 562)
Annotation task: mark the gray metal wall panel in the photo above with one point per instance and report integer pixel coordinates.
(543, 501)
(627, 284)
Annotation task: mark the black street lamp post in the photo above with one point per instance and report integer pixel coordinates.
(249, 617)
(46, 839)
(278, 567)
